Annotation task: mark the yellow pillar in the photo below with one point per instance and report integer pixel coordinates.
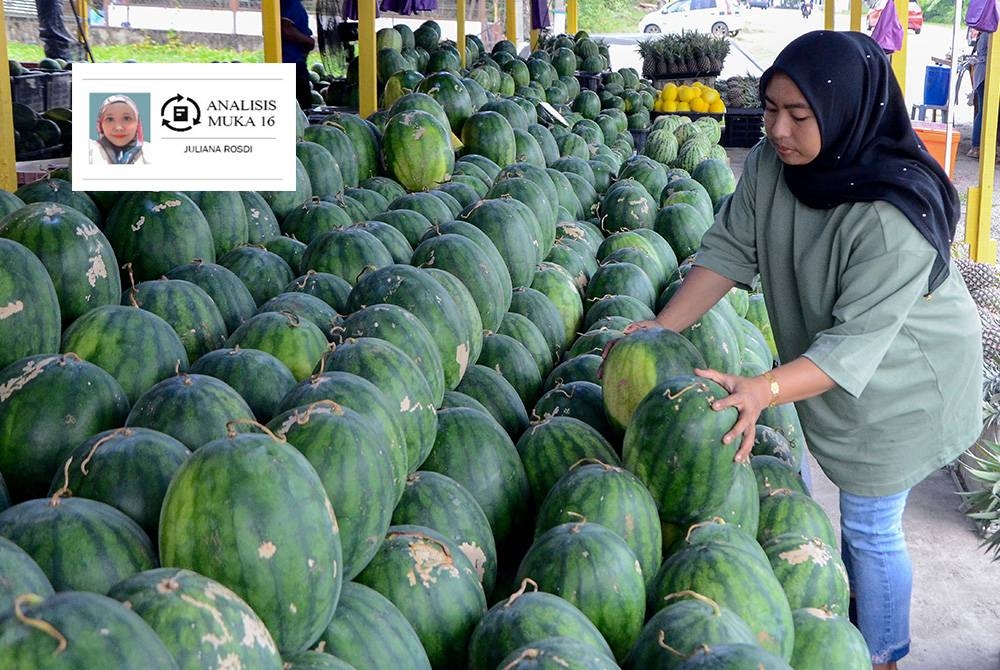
(8, 169)
(368, 95)
(534, 38)
(855, 25)
(460, 37)
(271, 18)
(899, 58)
(979, 212)
(572, 10)
(829, 13)
(83, 11)
(511, 21)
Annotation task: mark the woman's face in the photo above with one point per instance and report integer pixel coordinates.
(119, 123)
(789, 122)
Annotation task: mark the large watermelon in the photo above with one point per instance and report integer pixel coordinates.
(417, 150)
(29, 305)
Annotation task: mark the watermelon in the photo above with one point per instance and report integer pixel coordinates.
(718, 342)
(331, 289)
(773, 473)
(314, 660)
(324, 173)
(227, 291)
(191, 408)
(52, 189)
(254, 496)
(734, 655)
(824, 640)
(417, 151)
(75, 253)
(347, 253)
(341, 148)
(188, 309)
(592, 567)
(58, 632)
(784, 511)
(30, 314)
(515, 363)
(296, 342)
(199, 620)
(261, 223)
(558, 653)
(363, 615)
(437, 501)
(526, 617)
(810, 571)
(127, 468)
(227, 218)
(313, 218)
(307, 307)
(512, 236)
(264, 273)
(682, 225)
(21, 575)
(43, 417)
(434, 585)
(80, 544)
(490, 134)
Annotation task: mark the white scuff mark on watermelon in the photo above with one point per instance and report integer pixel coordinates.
(219, 634)
(429, 559)
(137, 226)
(765, 639)
(127, 604)
(585, 553)
(320, 647)
(462, 358)
(638, 568)
(86, 230)
(31, 370)
(818, 613)
(254, 213)
(629, 524)
(166, 204)
(807, 551)
(105, 631)
(476, 556)
(69, 420)
(418, 133)
(267, 550)
(311, 563)
(255, 633)
(292, 608)
(333, 517)
(230, 661)
(97, 270)
(10, 309)
(52, 209)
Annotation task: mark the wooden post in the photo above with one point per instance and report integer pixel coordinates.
(899, 58)
(368, 95)
(534, 38)
(8, 167)
(572, 10)
(856, 16)
(829, 14)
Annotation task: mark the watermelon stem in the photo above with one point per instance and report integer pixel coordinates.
(520, 592)
(64, 489)
(697, 596)
(661, 640)
(39, 624)
(118, 432)
(709, 522)
(131, 281)
(231, 429)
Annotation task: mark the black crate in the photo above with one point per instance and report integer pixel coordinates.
(29, 90)
(59, 89)
(743, 127)
(639, 138)
(588, 81)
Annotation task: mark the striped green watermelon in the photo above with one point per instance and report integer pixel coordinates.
(202, 623)
(188, 309)
(810, 571)
(192, 408)
(253, 497)
(784, 511)
(510, 233)
(331, 289)
(294, 341)
(283, 202)
(60, 191)
(674, 445)
(127, 468)
(524, 330)
(682, 225)
(57, 632)
(592, 567)
(610, 496)
(769, 442)
(515, 363)
(470, 324)
(434, 585)
(638, 363)
(364, 615)
(488, 133)
(43, 416)
(80, 544)
(718, 342)
(417, 150)
(29, 309)
(526, 617)
(344, 448)
(260, 378)
(314, 660)
(616, 307)
(262, 224)
(825, 640)
(20, 575)
(774, 473)
(734, 655)
(157, 231)
(681, 627)
(306, 307)
(581, 400)
(348, 252)
(313, 218)
(325, 178)
(227, 291)
(437, 501)
(558, 653)
(227, 218)
(394, 241)
(75, 253)
(497, 394)
(265, 273)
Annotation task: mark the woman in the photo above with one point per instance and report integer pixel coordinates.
(847, 220)
(119, 133)
(978, 86)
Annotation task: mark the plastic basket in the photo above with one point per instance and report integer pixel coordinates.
(58, 89)
(29, 90)
(591, 82)
(743, 127)
(639, 138)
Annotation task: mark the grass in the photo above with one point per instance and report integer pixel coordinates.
(145, 53)
(595, 18)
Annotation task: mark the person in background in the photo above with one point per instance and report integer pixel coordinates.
(296, 43)
(56, 42)
(119, 133)
(848, 221)
(978, 86)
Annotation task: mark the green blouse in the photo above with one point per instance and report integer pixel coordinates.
(845, 288)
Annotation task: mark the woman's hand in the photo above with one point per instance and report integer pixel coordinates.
(750, 396)
(642, 325)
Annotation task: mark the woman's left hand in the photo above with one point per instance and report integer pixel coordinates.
(749, 398)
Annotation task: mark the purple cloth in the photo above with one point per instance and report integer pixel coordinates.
(350, 10)
(539, 14)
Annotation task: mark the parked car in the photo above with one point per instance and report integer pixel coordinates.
(762, 4)
(915, 21)
(718, 17)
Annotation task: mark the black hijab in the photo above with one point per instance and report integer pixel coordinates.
(869, 149)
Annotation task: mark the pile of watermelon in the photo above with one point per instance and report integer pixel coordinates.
(366, 423)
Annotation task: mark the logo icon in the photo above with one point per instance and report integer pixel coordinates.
(180, 113)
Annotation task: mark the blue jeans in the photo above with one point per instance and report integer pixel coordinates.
(977, 120)
(881, 575)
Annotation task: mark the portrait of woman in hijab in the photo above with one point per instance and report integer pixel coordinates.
(846, 221)
(119, 133)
